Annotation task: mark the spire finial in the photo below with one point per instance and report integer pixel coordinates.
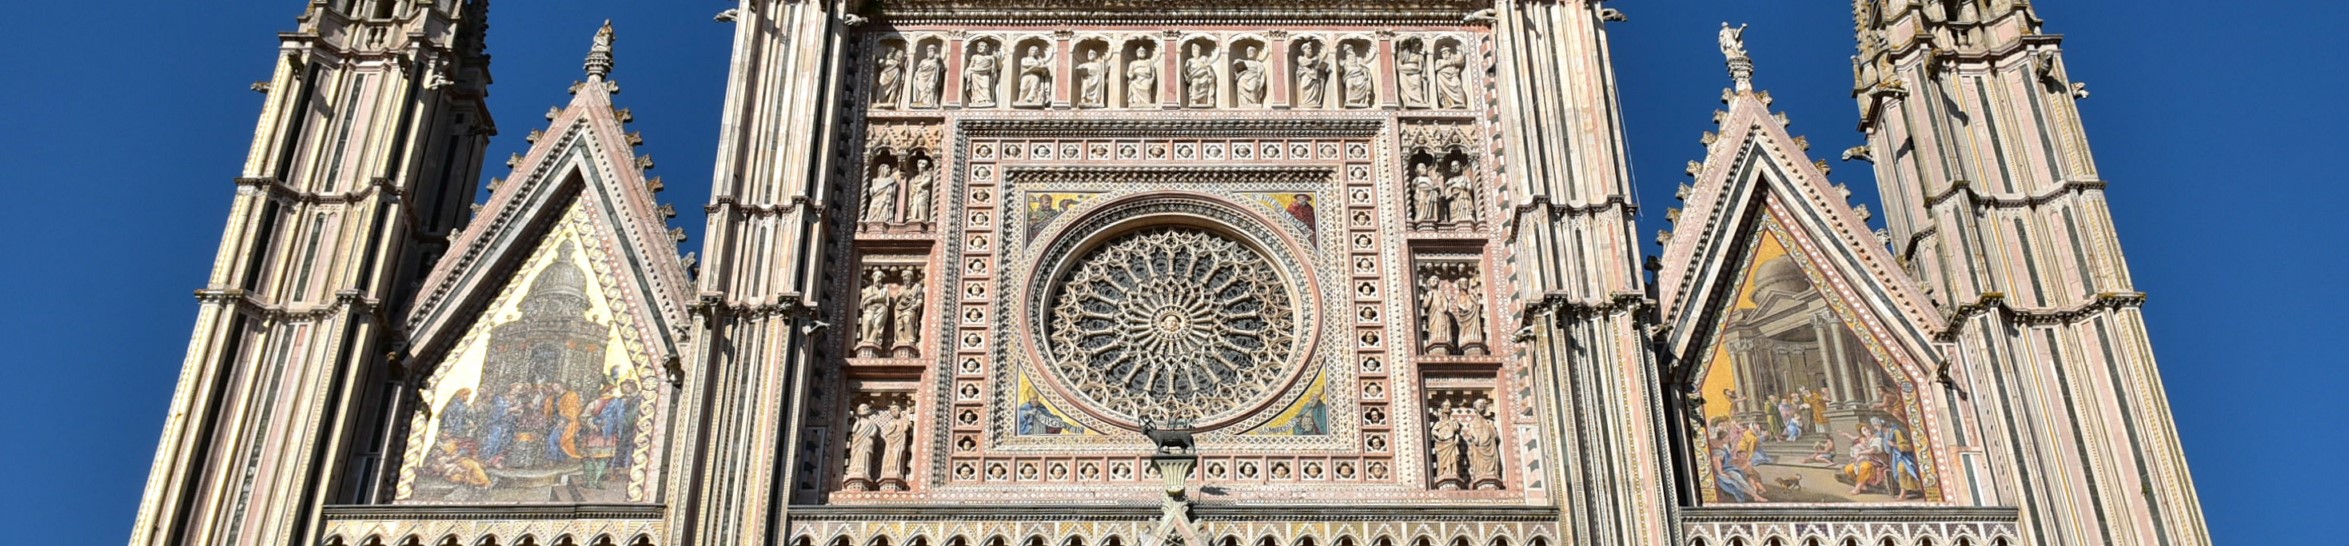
(599, 58)
(1741, 66)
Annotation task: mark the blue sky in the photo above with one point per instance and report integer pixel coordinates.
(121, 129)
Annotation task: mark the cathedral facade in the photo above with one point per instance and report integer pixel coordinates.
(1222, 273)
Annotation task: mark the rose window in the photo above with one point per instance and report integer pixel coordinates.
(1173, 323)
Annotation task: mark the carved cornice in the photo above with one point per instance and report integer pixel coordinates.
(247, 303)
(1174, 127)
(1979, 201)
(1996, 301)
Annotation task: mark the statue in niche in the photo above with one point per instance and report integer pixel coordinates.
(1035, 78)
(1484, 444)
(872, 321)
(881, 194)
(896, 445)
(1093, 81)
(1199, 77)
(907, 303)
(917, 190)
(926, 73)
(1411, 74)
(1443, 442)
(1459, 195)
(1451, 92)
(891, 69)
(978, 75)
(1425, 195)
(1467, 311)
(1312, 75)
(1354, 66)
(1248, 77)
(864, 432)
(1142, 79)
(1438, 294)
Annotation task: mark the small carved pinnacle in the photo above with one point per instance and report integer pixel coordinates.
(668, 210)
(644, 162)
(635, 139)
(677, 234)
(655, 185)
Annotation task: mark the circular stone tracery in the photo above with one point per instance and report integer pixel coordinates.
(1172, 324)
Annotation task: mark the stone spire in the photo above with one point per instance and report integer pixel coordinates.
(599, 58)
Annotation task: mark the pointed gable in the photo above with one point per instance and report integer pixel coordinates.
(547, 331)
(1807, 354)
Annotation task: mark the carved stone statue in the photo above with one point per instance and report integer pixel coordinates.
(872, 320)
(906, 333)
(1411, 75)
(1199, 77)
(1093, 81)
(1451, 91)
(864, 432)
(1424, 195)
(917, 191)
(1035, 78)
(1312, 75)
(926, 76)
(1468, 313)
(891, 78)
(1459, 196)
(1249, 78)
(1142, 79)
(881, 195)
(1443, 443)
(1484, 445)
(1732, 41)
(1438, 294)
(1355, 66)
(896, 446)
(978, 76)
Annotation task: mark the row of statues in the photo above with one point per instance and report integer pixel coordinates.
(887, 433)
(1451, 311)
(1341, 77)
(889, 313)
(887, 185)
(1446, 202)
(1465, 445)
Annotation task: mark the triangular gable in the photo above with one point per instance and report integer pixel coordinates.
(584, 154)
(1789, 324)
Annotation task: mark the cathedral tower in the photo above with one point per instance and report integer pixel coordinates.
(1993, 203)
(364, 161)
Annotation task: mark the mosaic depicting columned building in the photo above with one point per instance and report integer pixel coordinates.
(1125, 273)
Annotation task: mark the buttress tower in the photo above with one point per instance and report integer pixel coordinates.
(362, 164)
(1993, 203)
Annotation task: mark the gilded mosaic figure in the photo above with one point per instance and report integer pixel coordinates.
(927, 75)
(1142, 79)
(891, 78)
(978, 75)
(1355, 66)
(1312, 75)
(1248, 78)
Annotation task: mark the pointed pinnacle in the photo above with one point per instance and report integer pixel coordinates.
(599, 57)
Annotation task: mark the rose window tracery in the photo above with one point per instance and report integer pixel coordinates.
(1172, 324)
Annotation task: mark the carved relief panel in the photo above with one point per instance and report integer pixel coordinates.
(1212, 229)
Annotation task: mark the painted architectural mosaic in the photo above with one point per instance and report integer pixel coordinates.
(1215, 273)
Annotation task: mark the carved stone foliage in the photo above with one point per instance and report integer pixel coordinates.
(1173, 324)
(889, 312)
(1452, 310)
(1464, 440)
